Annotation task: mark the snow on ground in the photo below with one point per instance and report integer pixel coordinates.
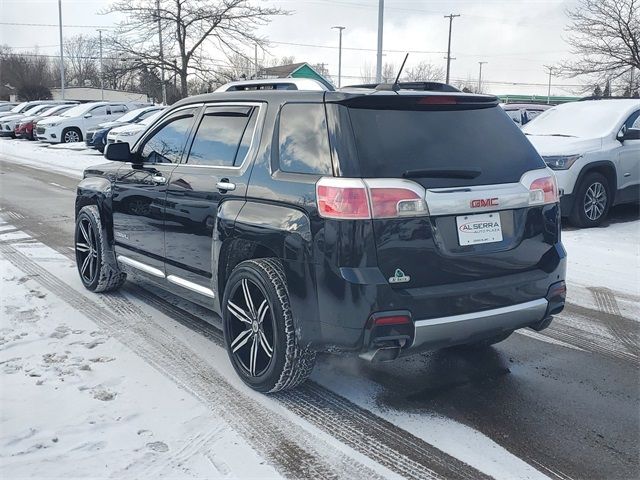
(78, 404)
(68, 159)
(605, 259)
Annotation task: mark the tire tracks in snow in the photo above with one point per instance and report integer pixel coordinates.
(615, 322)
(281, 442)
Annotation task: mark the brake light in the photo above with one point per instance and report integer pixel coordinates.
(543, 190)
(355, 199)
(344, 198)
(438, 100)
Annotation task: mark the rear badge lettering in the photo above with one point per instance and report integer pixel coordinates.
(484, 202)
(399, 277)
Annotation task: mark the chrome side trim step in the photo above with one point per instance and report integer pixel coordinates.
(141, 266)
(191, 286)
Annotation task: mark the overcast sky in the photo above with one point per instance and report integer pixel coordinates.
(516, 37)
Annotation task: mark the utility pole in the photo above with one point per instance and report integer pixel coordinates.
(255, 60)
(61, 50)
(340, 29)
(450, 17)
(550, 68)
(380, 28)
(480, 77)
(164, 86)
(100, 30)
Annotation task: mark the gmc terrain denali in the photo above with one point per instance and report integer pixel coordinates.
(378, 221)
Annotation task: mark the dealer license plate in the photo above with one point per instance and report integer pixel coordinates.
(481, 228)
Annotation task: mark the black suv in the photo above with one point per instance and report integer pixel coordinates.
(372, 221)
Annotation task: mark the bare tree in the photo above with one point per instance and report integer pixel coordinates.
(188, 26)
(28, 75)
(82, 55)
(424, 72)
(367, 73)
(604, 35)
(388, 73)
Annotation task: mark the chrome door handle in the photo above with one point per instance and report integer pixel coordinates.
(225, 185)
(158, 179)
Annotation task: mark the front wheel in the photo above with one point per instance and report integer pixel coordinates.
(71, 135)
(593, 199)
(259, 331)
(95, 259)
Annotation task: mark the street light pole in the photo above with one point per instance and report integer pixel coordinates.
(379, 56)
(450, 17)
(340, 29)
(164, 86)
(101, 67)
(480, 77)
(61, 50)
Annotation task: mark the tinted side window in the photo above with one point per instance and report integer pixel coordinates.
(165, 146)
(218, 137)
(633, 120)
(118, 109)
(304, 139)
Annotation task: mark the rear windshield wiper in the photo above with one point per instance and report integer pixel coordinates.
(442, 173)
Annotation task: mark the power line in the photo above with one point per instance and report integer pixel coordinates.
(52, 25)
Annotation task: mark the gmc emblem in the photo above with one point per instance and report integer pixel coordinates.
(484, 202)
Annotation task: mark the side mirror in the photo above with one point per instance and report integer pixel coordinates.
(118, 152)
(631, 134)
(87, 115)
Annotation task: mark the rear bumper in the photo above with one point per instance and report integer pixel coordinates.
(435, 333)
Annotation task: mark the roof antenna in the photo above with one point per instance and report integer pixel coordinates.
(395, 84)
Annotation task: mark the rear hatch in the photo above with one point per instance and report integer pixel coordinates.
(457, 192)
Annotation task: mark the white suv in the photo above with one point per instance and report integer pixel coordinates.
(72, 125)
(594, 148)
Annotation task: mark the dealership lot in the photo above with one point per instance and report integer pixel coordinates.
(561, 403)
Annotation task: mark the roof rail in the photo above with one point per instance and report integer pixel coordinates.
(421, 86)
(308, 84)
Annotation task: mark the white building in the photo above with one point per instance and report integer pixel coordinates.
(93, 94)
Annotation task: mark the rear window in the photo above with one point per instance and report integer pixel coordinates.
(392, 142)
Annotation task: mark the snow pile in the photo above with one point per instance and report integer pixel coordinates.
(68, 159)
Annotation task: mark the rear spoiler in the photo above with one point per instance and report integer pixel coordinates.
(405, 100)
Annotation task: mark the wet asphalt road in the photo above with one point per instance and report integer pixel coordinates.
(575, 412)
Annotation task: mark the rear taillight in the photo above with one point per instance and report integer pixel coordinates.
(349, 198)
(344, 198)
(543, 190)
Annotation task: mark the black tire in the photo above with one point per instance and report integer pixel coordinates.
(95, 259)
(585, 212)
(486, 343)
(289, 364)
(70, 135)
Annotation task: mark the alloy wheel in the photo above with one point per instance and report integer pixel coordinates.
(71, 136)
(251, 328)
(87, 250)
(595, 201)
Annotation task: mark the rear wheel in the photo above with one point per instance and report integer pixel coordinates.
(95, 259)
(71, 135)
(259, 331)
(593, 199)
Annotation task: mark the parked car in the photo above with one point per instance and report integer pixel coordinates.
(25, 128)
(97, 137)
(73, 124)
(312, 221)
(8, 123)
(523, 113)
(132, 132)
(594, 148)
(22, 107)
(6, 106)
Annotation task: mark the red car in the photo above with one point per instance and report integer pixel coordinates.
(26, 126)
